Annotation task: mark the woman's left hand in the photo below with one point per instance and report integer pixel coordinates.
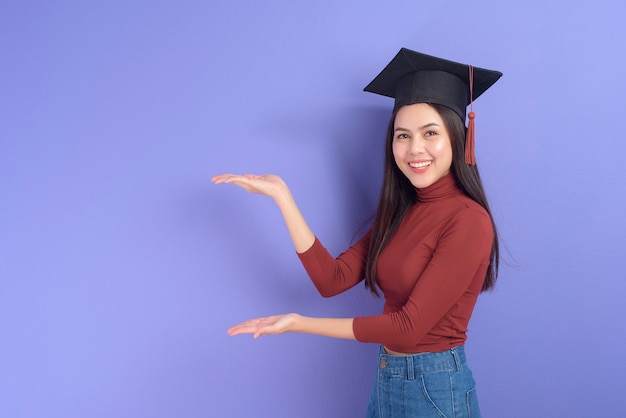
(277, 324)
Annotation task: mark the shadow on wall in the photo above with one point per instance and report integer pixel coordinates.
(359, 158)
(346, 143)
(349, 142)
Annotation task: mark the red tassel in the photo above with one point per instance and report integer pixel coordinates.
(470, 157)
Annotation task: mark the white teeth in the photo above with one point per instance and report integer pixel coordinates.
(420, 165)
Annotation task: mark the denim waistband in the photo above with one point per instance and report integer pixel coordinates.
(415, 364)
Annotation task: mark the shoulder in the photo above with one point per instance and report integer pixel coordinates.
(468, 215)
(465, 206)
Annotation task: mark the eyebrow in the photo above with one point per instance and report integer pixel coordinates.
(428, 125)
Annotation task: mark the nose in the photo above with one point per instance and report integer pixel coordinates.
(417, 145)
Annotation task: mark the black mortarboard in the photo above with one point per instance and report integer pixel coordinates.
(412, 77)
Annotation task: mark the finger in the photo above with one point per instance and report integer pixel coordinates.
(269, 325)
(242, 330)
(265, 330)
(245, 183)
(257, 326)
(223, 178)
(244, 324)
(247, 327)
(230, 177)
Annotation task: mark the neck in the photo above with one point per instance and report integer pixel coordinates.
(443, 188)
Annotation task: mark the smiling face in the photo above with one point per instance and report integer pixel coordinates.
(421, 144)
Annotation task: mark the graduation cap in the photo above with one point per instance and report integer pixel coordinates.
(412, 77)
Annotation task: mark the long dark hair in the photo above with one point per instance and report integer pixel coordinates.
(398, 195)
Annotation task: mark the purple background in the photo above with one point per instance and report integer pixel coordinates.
(121, 265)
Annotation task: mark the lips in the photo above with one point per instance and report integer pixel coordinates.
(419, 166)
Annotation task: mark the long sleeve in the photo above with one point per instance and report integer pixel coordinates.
(430, 272)
(430, 288)
(330, 275)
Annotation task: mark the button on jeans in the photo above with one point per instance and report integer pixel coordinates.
(423, 385)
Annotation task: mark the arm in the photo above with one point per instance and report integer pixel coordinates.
(447, 287)
(274, 187)
(329, 276)
(279, 324)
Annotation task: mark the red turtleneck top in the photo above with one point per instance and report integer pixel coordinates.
(430, 273)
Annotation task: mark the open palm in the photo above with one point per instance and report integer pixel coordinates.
(277, 324)
(266, 184)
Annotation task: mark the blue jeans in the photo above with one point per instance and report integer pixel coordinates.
(423, 385)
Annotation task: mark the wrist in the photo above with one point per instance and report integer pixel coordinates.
(283, 197)
(298, 323)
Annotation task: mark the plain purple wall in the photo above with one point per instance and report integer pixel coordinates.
(121, 265)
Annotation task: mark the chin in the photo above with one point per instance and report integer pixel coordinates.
(422, 184)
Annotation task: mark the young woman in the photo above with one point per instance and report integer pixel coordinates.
(431, 250)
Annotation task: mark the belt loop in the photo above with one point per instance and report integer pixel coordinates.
(457, 360)
(410, 370)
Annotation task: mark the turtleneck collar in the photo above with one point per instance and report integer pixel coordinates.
(443, 188)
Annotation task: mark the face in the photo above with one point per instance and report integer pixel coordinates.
(421, 144)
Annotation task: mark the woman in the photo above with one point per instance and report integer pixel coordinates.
(431, 250)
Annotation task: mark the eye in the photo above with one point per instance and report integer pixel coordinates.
(430, 133)
(402, 136)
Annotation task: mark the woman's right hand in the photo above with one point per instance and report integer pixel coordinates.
(266, 184)
(274, 187)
